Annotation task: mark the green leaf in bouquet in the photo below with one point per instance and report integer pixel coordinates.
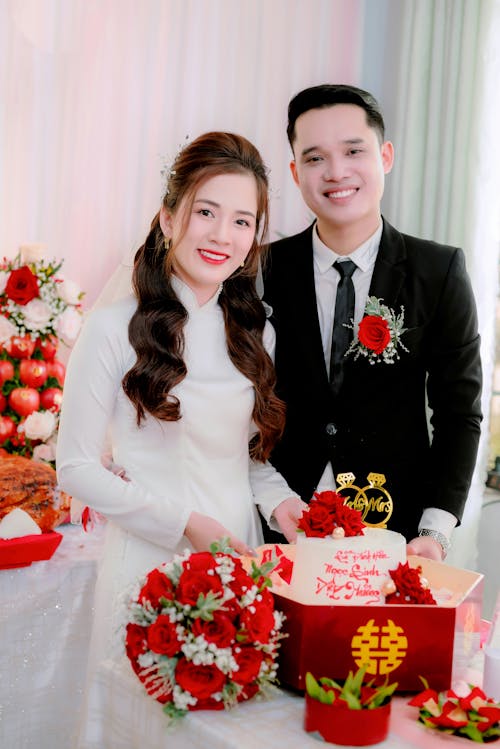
(222, 546)
(206, 604)
(263, 571)
(173, 713)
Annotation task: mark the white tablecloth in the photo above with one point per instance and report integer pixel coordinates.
(137, 722)
(45, 619)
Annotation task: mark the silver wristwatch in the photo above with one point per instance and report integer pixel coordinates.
(439, 537)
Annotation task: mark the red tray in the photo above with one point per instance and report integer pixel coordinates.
(22, 551)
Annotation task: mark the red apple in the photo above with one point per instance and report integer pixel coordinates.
(7, 428)
(24, 401)
(51, 399)
(6, 371)
(3, 403)
(48, 347)
(33, 372)
(56, 369)
(20, 347)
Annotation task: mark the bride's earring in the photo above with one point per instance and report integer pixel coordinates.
(167, 242)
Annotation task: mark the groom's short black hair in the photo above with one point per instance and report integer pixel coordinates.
(329, 94)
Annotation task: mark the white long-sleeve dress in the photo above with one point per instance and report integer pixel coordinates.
(200, 462)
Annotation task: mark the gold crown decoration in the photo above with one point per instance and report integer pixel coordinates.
(373, 500)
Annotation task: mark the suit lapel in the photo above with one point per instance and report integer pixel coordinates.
(302, 308)
(389, 271)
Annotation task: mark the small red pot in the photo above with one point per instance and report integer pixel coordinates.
(341, 725)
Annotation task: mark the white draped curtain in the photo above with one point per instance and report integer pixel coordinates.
(446, 182)
(96, 95)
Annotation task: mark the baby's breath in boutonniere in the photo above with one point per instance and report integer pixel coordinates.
(379, 333)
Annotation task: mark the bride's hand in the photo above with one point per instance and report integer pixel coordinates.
(202, 530)
(287, 515)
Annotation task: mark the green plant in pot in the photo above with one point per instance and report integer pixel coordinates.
(353, 713)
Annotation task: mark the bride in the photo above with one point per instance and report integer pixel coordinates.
(178, 377)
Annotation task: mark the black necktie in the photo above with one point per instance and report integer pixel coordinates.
(344, 312)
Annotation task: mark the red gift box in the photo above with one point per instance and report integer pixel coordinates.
(401, 641)
(22, 551)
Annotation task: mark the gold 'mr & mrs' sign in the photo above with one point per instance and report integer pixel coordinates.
(373, 501)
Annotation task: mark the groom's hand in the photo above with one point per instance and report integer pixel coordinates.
(425, 546)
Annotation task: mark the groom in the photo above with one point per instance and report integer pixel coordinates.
(367, 413)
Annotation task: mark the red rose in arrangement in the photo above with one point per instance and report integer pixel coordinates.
(350, 520)
(220, 630)
(162, 637)
(317, 522)
(239, 583)
(200, 681)
(135, 641)
(157, 586)
(257, 623)
(374, 333)
(249, 662)
(194, 582)
(202, 633)
(327, 515)
(409, 587)
(200, 560)
(22, 285)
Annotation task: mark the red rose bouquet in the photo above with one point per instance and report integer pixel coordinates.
(474, 716)
(327, 515)
(379, 333)
(203, 632)
(38, 309)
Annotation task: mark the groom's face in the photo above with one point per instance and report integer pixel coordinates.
(340, 167)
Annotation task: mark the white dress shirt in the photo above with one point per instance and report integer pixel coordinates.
(326, 280)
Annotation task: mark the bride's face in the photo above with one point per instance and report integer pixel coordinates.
(219, 232)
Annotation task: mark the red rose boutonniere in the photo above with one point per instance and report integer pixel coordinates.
(202, 632)
(327, 515)
(379, 333)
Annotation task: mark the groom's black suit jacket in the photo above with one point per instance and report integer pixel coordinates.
(379, 415)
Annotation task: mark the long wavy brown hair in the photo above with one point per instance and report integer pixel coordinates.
(156, 330)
